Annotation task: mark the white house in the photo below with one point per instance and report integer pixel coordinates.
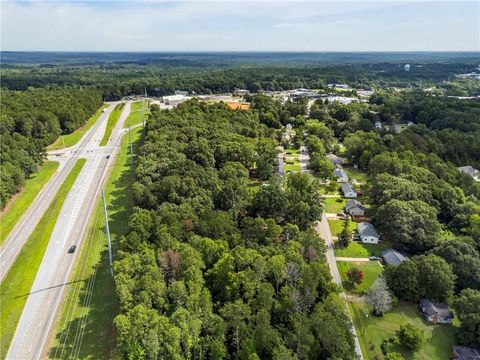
(367, 233)
(354, 208)
(340, 175)
(471, 171)
(174, 99)
(348, 190)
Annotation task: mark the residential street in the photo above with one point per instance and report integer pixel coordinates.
(323, 231)
(46, 293)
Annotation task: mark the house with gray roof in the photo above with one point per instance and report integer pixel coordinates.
(436, 313)
(354, 208)
(335, 159)
(367, 233)
(471, 171)
(340, 175)
(348, 190)
(393, 257)
(465, 353)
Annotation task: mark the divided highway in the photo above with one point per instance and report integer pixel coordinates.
(33, 329)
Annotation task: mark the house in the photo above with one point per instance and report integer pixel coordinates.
(471, 171)
(367, 233)
(354, 208)
(465, 353)
(335, 159)
(340, 175)
(393, 257)
(348, 190)
(436, 313)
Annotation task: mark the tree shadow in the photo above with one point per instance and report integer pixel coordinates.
(98, 340)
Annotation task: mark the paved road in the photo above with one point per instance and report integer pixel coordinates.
(33, 329)
(324, 231)
(27, 223)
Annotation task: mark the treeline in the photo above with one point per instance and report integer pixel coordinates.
(29, 121)
(117, 80)
(210, 268)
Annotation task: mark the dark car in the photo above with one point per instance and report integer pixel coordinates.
(108, 156)
(72, 249)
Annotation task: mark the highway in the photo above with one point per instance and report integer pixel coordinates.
(323, 231)
(29, 220)
(32, 333)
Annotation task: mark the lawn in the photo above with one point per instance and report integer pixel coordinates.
(72, 138)
(373, 330)
(336, 226)
(334, 205)
(295, 167)
(292, 151)
(332, 188)
(91, 278)
(17, 283)
(356, 174)
(112, 120)
(358, 249)
(135, 116)
(17, 206)
(371, 271)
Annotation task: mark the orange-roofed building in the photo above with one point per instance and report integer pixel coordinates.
(238, 105)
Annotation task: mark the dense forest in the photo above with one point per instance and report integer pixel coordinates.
(29, 121)
(116, 80)
(212, 270)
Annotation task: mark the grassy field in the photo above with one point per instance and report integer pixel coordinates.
(336, 226)
(91, 302)
(358, 249)
(16, 285)
(112, 120)
(74, 137)
(17, 206)
(356, 174)
(373, 330)
(334, 205)
(371, 271)
(135, 116)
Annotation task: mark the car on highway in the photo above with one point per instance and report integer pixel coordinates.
(72, 249)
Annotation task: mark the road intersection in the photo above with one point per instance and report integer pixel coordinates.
(35, 324)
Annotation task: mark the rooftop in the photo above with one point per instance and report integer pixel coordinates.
(346, 187)
(431, 308)
(353, 203)
(393, 257)
(466, 353)
(367, 229)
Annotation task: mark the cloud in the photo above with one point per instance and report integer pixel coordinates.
(238, 25)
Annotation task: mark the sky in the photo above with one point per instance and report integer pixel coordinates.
(248, 25)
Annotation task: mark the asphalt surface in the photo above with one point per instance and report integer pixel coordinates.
(32, 333)
(324, 231)
(27, 223)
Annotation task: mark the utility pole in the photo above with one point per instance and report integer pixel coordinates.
(108, 233)
(143, 111)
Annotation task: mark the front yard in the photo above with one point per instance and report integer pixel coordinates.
(371, 271)
(334, 205)
(336, 226)
(358, 249)
(372, 330)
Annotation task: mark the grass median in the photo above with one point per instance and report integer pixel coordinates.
(135, 116)
(85, 327)
(112, 120)
(17, 206)
(74, 137)
(17, 283)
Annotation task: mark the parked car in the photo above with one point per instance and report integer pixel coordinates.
(375, 258)
(72, 249)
